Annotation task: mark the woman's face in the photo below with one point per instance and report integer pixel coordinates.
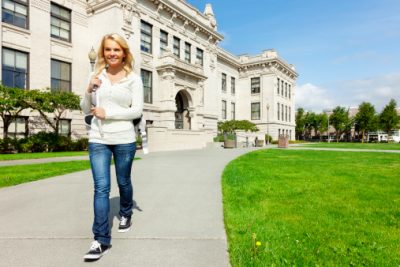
(113, 53)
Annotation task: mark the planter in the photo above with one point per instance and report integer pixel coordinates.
(229, 144)
(259, 143)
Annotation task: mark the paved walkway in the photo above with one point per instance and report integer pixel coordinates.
(178, 220)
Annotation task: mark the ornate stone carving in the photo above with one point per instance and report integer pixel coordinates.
(212, 64)
(128, 11)
(160, 7)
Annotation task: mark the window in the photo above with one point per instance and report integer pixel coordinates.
(60, 76)
(286, 113)
(18, 127)
(15, 12)
(223, 82)
(282, 88)
(279, 132)
(233, 85)
(282, 112)
(290, 114)
(285, 89)
(278, 86)
(60, 22)
(177, 47)
(64, 128)
(255, 111)
(147, 86)
(223, 109)
(163, 41)
(15, 68)
(146, 37)
(279, 106)
(233, 111)
(188, 48)
(255, 85)
(289, 90)
(199, 56)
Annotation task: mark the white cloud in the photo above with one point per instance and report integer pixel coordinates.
(378, 91)
(312, 98)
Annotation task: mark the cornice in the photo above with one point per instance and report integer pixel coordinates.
(96, 5)
(275, 63)
(176, 11)
(260, 61)
(228, 57)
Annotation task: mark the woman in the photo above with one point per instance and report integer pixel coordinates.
(119, 101)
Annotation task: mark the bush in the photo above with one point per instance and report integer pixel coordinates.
(43, 142)
(139, 141)
(80, 144)
(7, 145)
(269, 138)
(219, 138)
(223, 137)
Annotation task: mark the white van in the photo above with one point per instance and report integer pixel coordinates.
(395, 136)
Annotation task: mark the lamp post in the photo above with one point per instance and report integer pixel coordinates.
(267, 124)
(92, 57)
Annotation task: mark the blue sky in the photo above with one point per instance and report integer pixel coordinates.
(345, 51)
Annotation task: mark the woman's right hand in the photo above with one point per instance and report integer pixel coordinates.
(93, 85)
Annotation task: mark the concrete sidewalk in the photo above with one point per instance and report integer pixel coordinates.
(178, 220)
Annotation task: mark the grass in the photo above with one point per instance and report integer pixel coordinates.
(313, 208)
(41, 155)
(375, 146)
(13, 175)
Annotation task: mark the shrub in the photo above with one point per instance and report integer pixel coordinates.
(7, 145)
(80, 145)
(219, 138)
(269, 138)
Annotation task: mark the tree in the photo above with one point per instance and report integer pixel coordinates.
(309, 124)
(233, 125)
(388, 119)
(300, 123)
(365, 118)
(57, 103)
(11, 104)
(339, 119)
(320, 124)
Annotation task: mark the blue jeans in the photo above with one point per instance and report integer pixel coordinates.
(100, 160)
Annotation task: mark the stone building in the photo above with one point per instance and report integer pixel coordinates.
(190, 83)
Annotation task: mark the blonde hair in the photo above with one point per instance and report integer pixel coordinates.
(101, 62)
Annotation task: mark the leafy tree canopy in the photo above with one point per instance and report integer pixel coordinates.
(233, 125)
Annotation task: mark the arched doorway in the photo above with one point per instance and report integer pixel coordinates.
(182, 116)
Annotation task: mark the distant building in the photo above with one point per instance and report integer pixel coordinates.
(190, 83)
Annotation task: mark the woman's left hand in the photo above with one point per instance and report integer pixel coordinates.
(99, 113)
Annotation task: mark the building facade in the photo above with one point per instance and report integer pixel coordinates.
(190, 83)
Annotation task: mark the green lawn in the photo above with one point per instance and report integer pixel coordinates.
(313, 208)
(41, 155)
(377, 146)
(13, 175)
